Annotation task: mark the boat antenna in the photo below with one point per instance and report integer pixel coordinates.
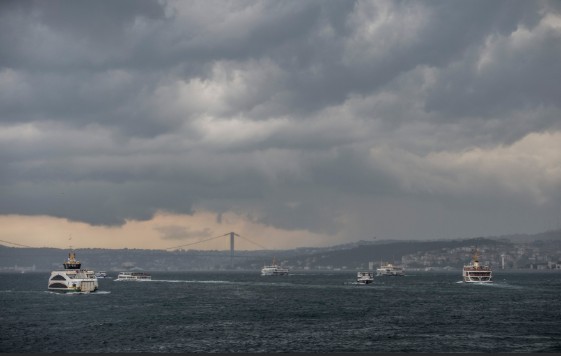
(475, 254)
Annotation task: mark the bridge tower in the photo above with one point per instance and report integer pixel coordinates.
(232, 234)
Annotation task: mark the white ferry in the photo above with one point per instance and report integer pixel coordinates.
(365, 277)
(475, 272)
(73, 279)
(274, 270)
(389, 270)
(134, 276)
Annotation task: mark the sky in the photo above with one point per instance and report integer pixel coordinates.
(153, 124)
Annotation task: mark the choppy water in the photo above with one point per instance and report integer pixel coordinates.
(310, 312)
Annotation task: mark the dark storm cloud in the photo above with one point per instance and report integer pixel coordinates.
(174, 232)
(99, 25)
(519, 76)
(287, 112)
(317, 69)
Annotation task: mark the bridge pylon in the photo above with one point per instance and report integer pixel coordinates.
(232, 234)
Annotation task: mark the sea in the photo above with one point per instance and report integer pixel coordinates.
(221, 311)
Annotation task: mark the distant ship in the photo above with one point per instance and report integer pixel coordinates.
(389, 270)
(364, 277)
(274, 270)
(134, 276)
(72, 279)
(475, 272)
(101, 274)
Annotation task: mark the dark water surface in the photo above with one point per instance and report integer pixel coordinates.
(311, 312)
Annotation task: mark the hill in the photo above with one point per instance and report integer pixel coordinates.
(521, 251)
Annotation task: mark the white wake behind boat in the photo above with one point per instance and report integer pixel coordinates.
(73, 279)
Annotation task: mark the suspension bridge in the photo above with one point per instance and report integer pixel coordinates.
(232, 237)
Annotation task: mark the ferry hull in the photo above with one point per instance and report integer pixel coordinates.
(364, 282)
(69, 290)
(275, 273)
(83, 287)
(471, 279)
(72, 281)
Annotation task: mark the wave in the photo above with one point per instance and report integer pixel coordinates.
(492, 285)
(98, 292)
(192, 281)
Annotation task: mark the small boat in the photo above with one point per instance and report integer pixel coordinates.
(72, 279)
(274, 270)
(389, 270)
(101, 274)
(364, 277)
(134, 276)
(475, 272)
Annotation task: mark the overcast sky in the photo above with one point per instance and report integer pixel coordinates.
(294, 123)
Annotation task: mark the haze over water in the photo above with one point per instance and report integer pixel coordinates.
(311, 312)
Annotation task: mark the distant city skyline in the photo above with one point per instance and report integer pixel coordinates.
(150, 124)
(515, 252)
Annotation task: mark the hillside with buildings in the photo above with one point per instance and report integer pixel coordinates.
(539, 252)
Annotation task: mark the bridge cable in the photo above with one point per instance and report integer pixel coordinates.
(253, 242)
(13, 243)
(194, 243)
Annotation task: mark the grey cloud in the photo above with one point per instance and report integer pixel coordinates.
(93, 32)
(517, 78)
(288, 33)
(174, 232)
(107, 76)
(95, 202)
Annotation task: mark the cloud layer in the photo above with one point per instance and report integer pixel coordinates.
(406, 119)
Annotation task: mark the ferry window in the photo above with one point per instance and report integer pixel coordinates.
(58, 277)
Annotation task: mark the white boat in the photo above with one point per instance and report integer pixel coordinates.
(475, 272)
(72, 279)
(365, 277)
(101, 274)
(274, 270)
(134, 276)
(389, 270)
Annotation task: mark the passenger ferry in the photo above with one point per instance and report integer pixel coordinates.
(274, 270)
(390, 270)
(364, 277)
(73, 279)
(475, 272)
(134, 276)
